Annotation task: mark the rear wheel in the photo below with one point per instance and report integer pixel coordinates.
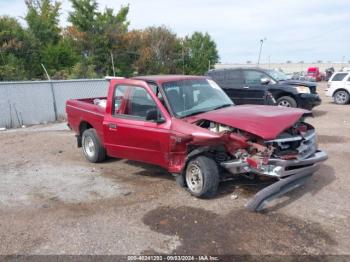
(341, 97)
(286, 101)
(92, 147)
(202, 177)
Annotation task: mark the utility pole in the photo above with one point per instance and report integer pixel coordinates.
(261, 44)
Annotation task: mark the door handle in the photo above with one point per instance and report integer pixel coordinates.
(246, 87)
(112, 126)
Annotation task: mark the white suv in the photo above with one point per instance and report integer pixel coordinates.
(338, 87)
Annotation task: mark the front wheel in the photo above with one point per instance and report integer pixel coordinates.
(341, 97)
(202, 177)
(286, 101)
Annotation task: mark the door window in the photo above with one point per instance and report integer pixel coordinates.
(119, 94)
(339, 77)
(253, 77)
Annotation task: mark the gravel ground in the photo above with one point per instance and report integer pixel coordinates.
(52, 201)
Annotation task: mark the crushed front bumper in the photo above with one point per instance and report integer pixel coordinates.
(291, 174)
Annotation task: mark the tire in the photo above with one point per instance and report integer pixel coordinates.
(202, 177)
(93, 150)
(341, 97)
(286, 101)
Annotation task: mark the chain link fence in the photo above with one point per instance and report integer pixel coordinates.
(35, 102)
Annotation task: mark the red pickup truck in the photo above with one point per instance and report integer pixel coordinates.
(189, 126)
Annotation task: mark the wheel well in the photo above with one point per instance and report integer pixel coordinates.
(82, 127)
(340, 89)
(285, 94)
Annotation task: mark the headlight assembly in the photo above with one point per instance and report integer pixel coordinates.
(303, 89)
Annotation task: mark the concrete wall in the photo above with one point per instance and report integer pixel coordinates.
(289, 67)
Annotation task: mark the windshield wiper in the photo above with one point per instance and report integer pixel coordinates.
(222, 106)
(196, 113)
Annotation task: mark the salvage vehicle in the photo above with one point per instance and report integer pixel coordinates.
(190, 127)
(247, 86)
(338, 87)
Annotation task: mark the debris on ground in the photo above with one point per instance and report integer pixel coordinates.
(234, 196)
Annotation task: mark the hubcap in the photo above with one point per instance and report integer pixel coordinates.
(89, 146)
(194, 178)
(284, 103)
(341, 97)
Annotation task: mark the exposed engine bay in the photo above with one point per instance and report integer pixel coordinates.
(263, 157)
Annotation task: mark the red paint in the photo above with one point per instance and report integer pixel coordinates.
(266, 122)
(314, 72)
(166, 144)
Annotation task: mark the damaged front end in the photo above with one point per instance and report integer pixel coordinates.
(290, 158)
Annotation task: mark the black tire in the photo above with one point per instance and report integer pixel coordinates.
(341, 97)
(286, 101)
(95, 152)
(209, 174)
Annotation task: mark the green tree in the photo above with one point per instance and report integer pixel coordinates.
(100, 34)
(159, 52)
(43, 20)
(14, 50)
(200, 53)
(59, 58)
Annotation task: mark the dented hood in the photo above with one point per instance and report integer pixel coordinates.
(266, 122)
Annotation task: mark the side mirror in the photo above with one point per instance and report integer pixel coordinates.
(155, 116)
(265, 81)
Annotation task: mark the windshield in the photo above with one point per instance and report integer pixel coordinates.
(277, 75)
(194, 96)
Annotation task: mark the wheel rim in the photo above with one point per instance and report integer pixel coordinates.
(284, 103)
(341, 97)
(194, 178)
(89, 146)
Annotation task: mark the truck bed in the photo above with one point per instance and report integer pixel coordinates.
(84, 110)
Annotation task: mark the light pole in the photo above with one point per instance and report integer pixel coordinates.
(261, 44)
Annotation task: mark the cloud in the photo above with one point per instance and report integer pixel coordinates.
(295, 30)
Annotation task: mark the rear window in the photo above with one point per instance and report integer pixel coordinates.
(339, 77)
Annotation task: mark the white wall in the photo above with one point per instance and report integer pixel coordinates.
(290, 67)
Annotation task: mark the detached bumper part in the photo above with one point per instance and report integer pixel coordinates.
(291, 174)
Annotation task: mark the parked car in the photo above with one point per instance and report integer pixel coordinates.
(248, 85)
(338, 87)
(314, 74)
(190, 127)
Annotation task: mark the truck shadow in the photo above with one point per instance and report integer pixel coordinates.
(318, 113)
(149, 170)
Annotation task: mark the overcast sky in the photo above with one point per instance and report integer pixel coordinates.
(295, 30)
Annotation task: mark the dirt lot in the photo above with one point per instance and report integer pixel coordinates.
(52, 201)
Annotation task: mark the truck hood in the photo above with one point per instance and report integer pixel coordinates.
(298, 83)
(266, 122)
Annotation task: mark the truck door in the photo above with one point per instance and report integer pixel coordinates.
(232, 83)
(253, 91)
(130, 131)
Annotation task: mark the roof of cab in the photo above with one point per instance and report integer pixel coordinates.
(168, 78)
